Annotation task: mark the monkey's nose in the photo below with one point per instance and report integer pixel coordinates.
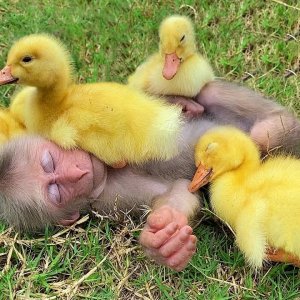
(72, 175)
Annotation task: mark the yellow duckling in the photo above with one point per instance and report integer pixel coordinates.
(177, 69)
(17, 104)
(9, 125)
(260, 201)
(114, 122)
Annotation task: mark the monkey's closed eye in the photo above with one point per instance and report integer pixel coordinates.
(53, 193)
(47, 162)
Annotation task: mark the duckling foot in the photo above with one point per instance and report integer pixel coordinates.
(168, 239)
(279, 255)
(119, 165)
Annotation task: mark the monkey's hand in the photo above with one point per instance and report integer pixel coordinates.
(168, 239)
(190, 108)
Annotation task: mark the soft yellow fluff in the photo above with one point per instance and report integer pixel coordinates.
(9, 126)
(17, 104)
(11, 123)
(176, 36)
(112, 121)
(260, 201)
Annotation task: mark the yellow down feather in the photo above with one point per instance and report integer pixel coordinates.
(110, 120)
(260, 201)
(194, 70)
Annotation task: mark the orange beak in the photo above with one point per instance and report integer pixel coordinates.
(172, 62)
(6, 76)
(201, 178)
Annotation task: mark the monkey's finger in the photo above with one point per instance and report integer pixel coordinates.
(149, 239)
(153, 253)
(176, 242)
(160, 218)
(180, 259)
(192, 109)
(184, 263)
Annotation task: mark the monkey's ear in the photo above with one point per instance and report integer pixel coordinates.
(211, 147)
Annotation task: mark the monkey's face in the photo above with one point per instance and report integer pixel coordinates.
(65, 175)
(47, 181)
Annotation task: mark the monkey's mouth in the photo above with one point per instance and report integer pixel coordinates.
(99, 176)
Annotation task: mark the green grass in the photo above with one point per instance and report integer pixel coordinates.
(108, 40)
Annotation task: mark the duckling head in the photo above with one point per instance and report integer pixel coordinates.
(222, 150)
(177, 43)
(37, 60)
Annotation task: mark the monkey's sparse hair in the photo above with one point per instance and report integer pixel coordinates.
(21, 202)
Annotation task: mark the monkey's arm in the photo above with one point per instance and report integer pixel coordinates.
(270, 125)
(167, 237)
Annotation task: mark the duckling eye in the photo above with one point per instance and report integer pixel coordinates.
(211, 147)
(27, 59)
(181, 40)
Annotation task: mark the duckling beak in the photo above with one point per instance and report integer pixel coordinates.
(6, 76)
(201, 178)
(172, 62)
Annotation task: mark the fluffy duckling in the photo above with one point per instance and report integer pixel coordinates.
(260, 201)
(17, 104)
(177, 69)
(9, 125)
(114, 122)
